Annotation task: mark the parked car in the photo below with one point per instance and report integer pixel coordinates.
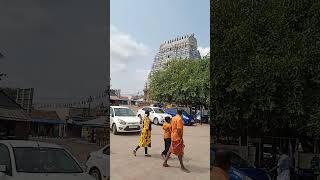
(29, 160)
(123, 119)
(156, 116)
(187, 118)
(240, 168)
(97, 164)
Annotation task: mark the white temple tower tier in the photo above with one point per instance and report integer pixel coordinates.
(181, 47)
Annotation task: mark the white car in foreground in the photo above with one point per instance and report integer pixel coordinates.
(156, 116)
(123, 119)
(30, 160)
(98, 164)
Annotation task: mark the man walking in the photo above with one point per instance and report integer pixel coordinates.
(177, 146)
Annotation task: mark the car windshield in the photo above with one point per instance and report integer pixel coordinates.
(158, 110)
(184, 112)
(45, 160)
(123, 112)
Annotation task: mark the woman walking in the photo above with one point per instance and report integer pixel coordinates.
(145, 136)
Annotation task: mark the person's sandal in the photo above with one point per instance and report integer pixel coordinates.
(165, 165)
(134, 152)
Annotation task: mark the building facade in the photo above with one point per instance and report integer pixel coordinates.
(182, 47)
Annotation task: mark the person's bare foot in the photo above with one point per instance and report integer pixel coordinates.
(185, 169)
(165, 165)
(134, 152)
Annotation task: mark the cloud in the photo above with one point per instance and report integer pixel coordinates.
(129, 61)
(204, 50)
(124, 48)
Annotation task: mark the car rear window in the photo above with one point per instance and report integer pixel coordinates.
(45, 160)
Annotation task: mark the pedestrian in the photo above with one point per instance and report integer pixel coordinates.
(221, 166)
(283, 165)
(198, 116)
(166, 136)
(145, 136)
(177, 145)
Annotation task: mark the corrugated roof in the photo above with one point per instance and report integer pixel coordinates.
(115, 98)
(6, 102)
(10, 110)
(42, 114)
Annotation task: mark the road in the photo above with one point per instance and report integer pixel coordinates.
(124, 166)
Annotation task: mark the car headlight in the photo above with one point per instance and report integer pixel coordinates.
(122, 122)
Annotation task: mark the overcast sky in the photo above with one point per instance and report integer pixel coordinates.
(139, 27)
(57, 47)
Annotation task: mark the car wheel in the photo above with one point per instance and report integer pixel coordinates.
(156, 121)
(114, 129)
(95, 173)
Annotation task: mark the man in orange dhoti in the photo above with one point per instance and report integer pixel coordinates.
(177, 145)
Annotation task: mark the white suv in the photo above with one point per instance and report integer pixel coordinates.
(30, 160)
(123, 119)
(156, 116)
(98, 163)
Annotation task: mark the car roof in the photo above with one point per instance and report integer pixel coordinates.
(23, 143)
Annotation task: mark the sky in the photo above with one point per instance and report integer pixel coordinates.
(59, 48)
(139, 27)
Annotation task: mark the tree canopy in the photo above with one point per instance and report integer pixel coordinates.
(265, 72)
(183, 82)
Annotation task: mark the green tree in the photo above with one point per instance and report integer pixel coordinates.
(265, 67)
(183, 82)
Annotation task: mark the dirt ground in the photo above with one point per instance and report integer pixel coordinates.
(124, 166)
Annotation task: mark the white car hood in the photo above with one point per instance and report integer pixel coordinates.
(37, 176)
(129, 119)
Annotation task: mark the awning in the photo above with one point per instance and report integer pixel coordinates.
(49, 121)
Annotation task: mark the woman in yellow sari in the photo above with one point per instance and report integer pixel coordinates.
(145, 136)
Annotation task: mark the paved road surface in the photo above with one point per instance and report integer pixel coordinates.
(124, 166)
